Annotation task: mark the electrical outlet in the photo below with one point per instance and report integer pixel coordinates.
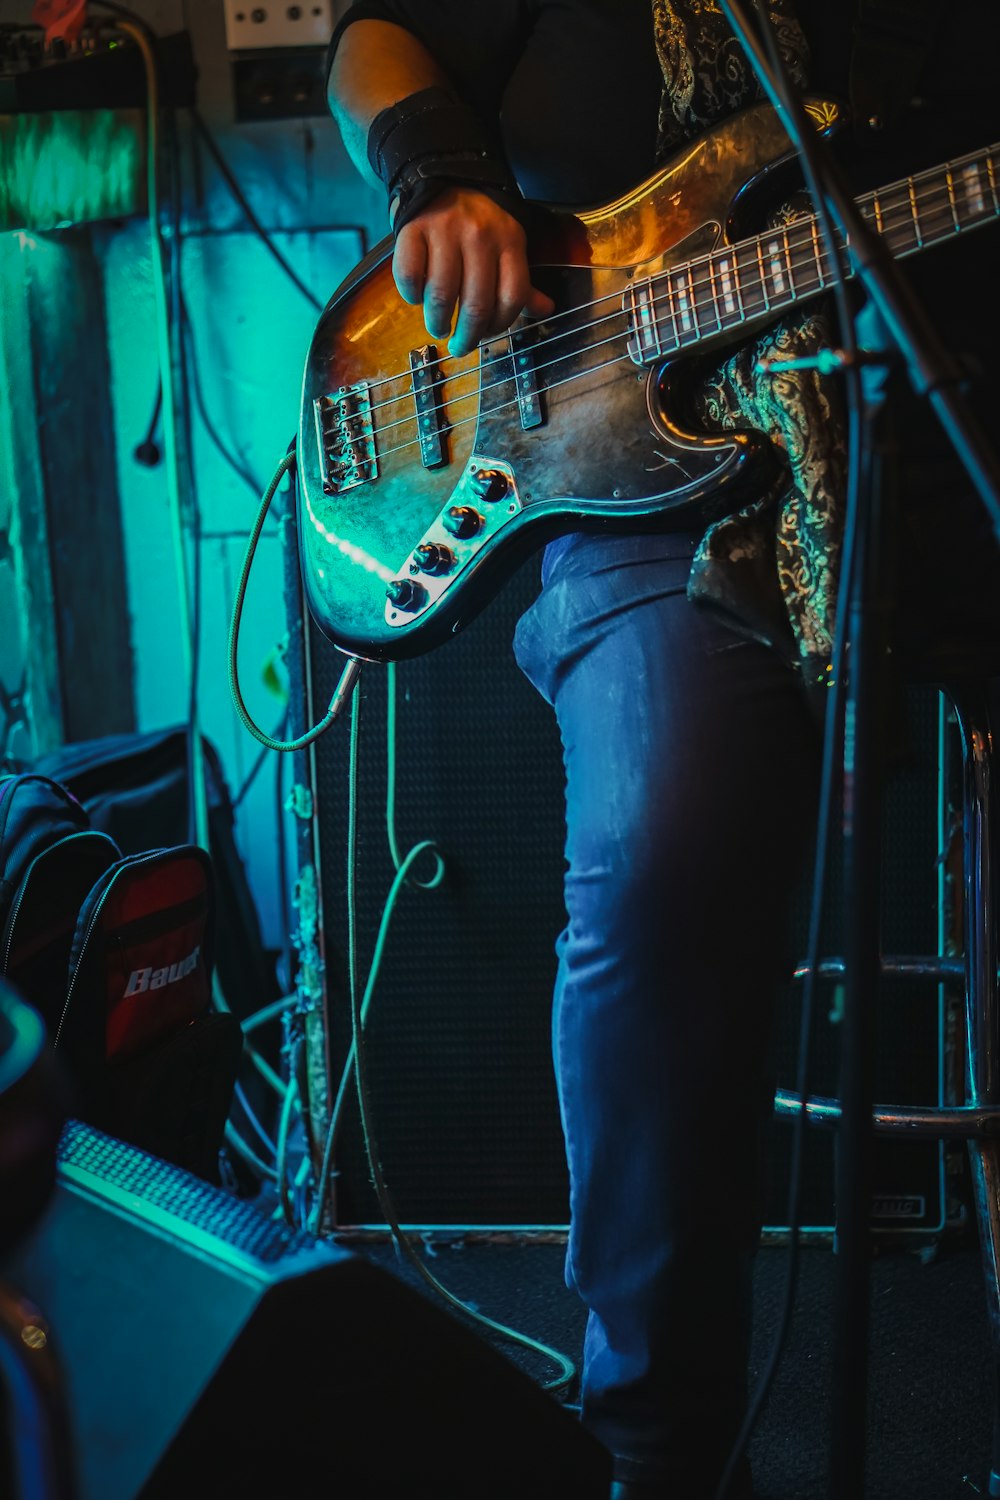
(278, 24)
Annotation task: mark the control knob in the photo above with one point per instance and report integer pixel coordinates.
(405, 594)
(489, 485)
(434, 558)
(462, 520)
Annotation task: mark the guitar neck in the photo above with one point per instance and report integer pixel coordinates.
(746, 284)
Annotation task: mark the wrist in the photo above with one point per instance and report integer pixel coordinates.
(429, 142)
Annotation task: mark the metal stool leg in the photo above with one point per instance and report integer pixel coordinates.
(977, 1121)
(981, 999)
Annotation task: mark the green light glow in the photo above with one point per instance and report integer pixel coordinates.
(71, 166)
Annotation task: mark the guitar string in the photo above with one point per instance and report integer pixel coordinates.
(698, 336)
(505, 405)
(820, 261)
(798, 236)
(698, 333)
(801, 229)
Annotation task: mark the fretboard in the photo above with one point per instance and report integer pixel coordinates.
(747, 283)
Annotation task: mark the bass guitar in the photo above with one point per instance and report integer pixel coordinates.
(425, 479)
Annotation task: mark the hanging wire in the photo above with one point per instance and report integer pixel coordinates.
(828, 774)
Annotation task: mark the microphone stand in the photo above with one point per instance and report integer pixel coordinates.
(935, 375)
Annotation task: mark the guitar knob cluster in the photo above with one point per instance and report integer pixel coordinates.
(463, 520)
(434, 558)
(406, 594)
(490, 485)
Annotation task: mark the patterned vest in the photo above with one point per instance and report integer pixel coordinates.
(773, 566)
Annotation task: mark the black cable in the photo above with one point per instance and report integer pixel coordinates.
(148, 451)
(834, 714)
(258, 764)
(211, 429)
(250, 216)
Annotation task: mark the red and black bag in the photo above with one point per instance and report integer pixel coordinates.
(141, 959)
(115, 953)
(50, 858)
(151, 1061)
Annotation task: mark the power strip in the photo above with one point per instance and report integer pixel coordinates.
(277, 24)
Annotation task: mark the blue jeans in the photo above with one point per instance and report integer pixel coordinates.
(691, 771)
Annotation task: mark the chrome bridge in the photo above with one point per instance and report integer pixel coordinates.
(345, 434)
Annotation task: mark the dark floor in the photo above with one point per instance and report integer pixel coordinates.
(930, 1400)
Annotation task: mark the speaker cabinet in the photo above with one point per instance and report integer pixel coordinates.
(459, 1053)
(208, 1350)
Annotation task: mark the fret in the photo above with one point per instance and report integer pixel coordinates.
(870, 212)
(898, 231)
(753, 295)
(639, 305)
(802, 258)
(715, 294)
(763, 274)
(682, 306)
(739, 288)
(657, 324)
(746, 282)
(938, 208)
(972, 191)
(706, 311)
(817, 252)
(913, 211)
(675, 341)
(728, 291)
(779, 285)
(788, 262)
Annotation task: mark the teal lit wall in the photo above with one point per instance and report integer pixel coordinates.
(251, 330)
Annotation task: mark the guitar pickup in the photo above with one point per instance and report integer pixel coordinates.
(529, 404)
(424, 377)
(346, 437)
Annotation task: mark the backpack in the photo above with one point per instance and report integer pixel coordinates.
(50, 859)
(115, 952)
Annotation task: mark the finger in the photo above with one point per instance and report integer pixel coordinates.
(441, 289)
(513, 286)
(537, 304)
(477, 311)
(409, 264)
(515, 294)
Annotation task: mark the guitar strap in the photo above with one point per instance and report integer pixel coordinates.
(892, 41)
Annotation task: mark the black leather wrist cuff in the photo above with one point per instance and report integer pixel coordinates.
(429, 142)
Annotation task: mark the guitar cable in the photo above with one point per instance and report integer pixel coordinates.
(349, 677)
(360, 1005)
(566, 1367)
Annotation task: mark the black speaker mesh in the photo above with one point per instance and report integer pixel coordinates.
(459, 1058)
(152, 1183)
(462, 1085)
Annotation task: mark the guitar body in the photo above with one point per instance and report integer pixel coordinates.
(555, 428)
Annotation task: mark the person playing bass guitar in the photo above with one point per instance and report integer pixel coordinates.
(687, 662)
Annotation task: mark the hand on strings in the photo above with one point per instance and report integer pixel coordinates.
(466, 252)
